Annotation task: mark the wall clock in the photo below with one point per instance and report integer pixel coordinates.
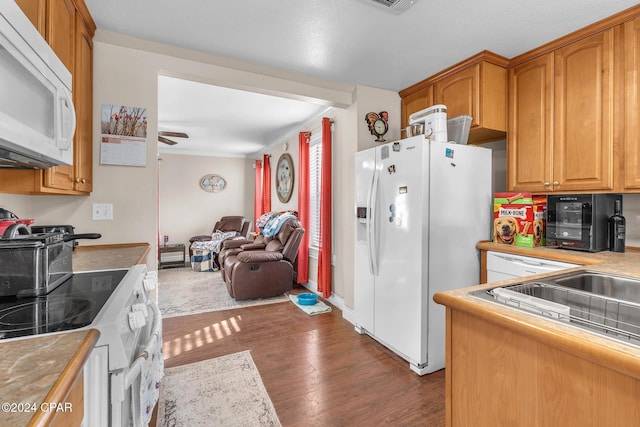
(284, 177)
(378, 125)
(212, 183)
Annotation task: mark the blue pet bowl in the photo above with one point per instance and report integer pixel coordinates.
(307, 299)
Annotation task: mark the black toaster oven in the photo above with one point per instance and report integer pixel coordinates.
(579, 221)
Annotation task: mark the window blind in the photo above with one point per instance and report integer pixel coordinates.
(315, 179)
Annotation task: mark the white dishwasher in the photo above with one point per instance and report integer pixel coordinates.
(503, 266)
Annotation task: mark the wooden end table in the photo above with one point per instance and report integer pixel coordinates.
(171, 256)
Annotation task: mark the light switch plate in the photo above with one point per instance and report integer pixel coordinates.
(102, 212)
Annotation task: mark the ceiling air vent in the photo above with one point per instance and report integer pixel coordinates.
(396, 6)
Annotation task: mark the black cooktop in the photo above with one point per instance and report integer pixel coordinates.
(73, 304)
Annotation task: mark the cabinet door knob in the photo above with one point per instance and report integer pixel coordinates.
(556, 183)
(546, 183)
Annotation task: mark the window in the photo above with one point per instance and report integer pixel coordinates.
(315, 180)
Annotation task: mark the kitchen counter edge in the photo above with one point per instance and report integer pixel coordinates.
(611, 354)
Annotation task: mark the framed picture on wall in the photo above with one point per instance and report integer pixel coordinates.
(284, 177)
(212, 183)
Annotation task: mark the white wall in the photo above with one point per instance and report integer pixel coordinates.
(185, 210)
(499, 165)
(125, 72)
(276, 151)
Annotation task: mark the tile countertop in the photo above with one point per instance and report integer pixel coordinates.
(612, 354)
(39, 369)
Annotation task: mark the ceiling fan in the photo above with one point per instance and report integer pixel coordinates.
(163, 134)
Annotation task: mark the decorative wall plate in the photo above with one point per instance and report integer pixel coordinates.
(212, 183)
(284, 177)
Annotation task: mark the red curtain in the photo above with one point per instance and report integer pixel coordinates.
(303, 205)
(266, 184)
(324, 256)
(257, 198)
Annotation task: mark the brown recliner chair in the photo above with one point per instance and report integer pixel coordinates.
(265, 267)
(226, 223)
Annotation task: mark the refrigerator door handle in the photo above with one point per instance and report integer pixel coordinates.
(373, 244)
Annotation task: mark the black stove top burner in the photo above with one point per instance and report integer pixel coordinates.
(74, 304)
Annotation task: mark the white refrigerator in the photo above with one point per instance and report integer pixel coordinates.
(420, 209)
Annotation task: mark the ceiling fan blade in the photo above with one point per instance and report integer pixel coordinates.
(166, 141)
(173, 134)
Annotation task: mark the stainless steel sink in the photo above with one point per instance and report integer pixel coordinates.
(602, 303)
(622, 288)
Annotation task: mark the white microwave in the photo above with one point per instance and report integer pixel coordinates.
(37, 118)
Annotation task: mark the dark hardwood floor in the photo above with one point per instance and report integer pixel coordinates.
(317, 370)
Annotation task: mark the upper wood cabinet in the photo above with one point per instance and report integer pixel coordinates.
(476, 87)
(60, 29)
(561, 117)
(83, 96)
(36, 12)
(68, 28)
(530, 124)
(415, 101)
(584, 113)
(631, 165)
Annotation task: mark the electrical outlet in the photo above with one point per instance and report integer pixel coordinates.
(102, 211)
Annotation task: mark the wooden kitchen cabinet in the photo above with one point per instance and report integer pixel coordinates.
(631, 165)
(416, 101)
(83, 98)
(496, 374)
(68, 28)
(476, 87)
(74, 400)
(530, 124)
(60, 29)
(36, 12)
(561, 118)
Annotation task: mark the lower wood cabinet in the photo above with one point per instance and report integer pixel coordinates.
(70, 412)
(497, 376)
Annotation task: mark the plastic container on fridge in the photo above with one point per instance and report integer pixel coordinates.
(458, 129)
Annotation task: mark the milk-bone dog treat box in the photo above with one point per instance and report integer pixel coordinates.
(519, 219)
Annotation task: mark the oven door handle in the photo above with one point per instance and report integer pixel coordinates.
(156, 334)
(125, 379)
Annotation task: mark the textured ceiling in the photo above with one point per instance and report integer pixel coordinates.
(351, 41)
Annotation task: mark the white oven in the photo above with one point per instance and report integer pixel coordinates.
(123, 374)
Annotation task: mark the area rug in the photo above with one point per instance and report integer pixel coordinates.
(225, 391)
(182, 291)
